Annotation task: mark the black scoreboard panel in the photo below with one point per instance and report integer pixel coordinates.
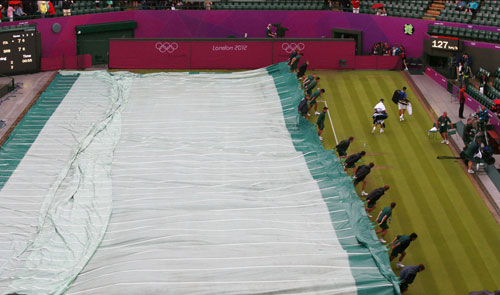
(20, 52)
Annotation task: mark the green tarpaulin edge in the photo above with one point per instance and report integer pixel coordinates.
(28, 129)
(373, 275)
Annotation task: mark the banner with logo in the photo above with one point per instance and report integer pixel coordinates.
(222, 54)
(149, 54)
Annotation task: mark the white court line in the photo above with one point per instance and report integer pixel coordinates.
(331, 122)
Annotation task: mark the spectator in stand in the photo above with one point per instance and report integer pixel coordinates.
(355, 6)
(472, 7)
(403, 58)
(461, 5)
(1, 8)
(10, 13)
(461, 100)
(19, 11)
(460, 72)
(66, 6)
(208, 5)
(109, 3)
(408, 275)
(51, 10)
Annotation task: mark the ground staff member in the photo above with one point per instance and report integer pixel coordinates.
(310, 86)
(444, 123)
(408, 275)
(302, 70)
(360, 173)
(321, 122)
(350, 162)
(312, 100)
(399, 245)
(373, 197)
(382, 219)
(342, 147)
(295, 62)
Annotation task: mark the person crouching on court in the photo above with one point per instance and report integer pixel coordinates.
(312, 100)
(350, 162)
(321, 122)
(342, 147)
(360, 174)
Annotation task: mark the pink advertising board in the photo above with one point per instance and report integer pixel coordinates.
(224, 54)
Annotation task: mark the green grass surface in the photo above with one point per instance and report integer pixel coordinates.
(459, 240)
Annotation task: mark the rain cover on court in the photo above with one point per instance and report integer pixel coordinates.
(180, 183)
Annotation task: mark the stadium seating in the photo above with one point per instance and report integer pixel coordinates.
(271, 5)
(496, 83)
(481, 98)
(464, 33)
(409, 9)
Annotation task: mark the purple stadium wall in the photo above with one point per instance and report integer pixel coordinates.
(221, 24)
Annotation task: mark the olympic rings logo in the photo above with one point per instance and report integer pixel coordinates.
(291, 47)
(166, 47)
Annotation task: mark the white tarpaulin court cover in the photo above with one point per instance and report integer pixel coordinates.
(180, 183)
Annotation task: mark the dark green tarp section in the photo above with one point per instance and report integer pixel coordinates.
(347, 213)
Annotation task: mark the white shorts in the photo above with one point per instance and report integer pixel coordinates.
(402, 106)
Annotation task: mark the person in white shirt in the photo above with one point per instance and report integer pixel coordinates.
(379, 116)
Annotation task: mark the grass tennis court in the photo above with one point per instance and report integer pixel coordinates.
(458, 238)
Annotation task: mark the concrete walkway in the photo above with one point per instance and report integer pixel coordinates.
(15, 104)
(440, 100)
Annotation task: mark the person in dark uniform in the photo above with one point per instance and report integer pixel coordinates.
(468, 134)
(295, 62)
(360, 174)
(382, 219)
(342, 147)
(399, 245)
(303, 108)
(408, 275)
(350, 162)
(469, 153)
(321, 122)
(373, 197)
(312, 100)
(302, 70)
(269, 32)
(310, 86)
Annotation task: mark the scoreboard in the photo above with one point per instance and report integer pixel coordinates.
(20, 52)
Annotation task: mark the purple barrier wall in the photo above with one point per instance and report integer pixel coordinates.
(221, 24)
(469, 101)
(374, 62)
(224, 54)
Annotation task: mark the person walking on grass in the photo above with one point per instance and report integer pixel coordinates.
(373, 197)
(402, 104)
(321, 122)
(350, 162)
(302, 70)
(310, 86)
(382, 219)
(379, 116)
(360, 174)
(408, 275)
(443, 124)
(312, 100)
(399, 245)
(342, 147)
